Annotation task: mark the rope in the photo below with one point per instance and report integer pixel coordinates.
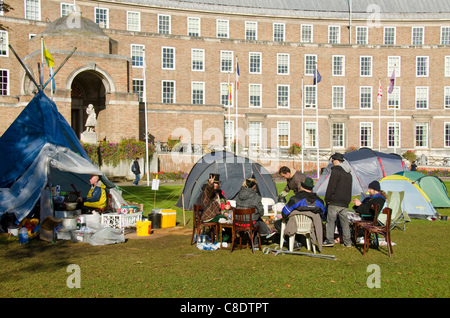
(167, 198)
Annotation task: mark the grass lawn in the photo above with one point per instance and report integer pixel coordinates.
(169, 267)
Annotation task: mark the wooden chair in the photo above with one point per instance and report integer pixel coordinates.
(384, 230)
(358, 224)
(243, 223)
(199, 225)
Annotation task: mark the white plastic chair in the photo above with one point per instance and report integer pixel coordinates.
(303, 227)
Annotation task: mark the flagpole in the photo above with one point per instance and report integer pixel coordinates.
(317, 120)
(395, 117)
(236, 98)
(42, 61)
(146, 123)
(379, 116)
(302, 132)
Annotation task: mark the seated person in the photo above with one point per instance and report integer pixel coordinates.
(96, 197)
(213, 200)
(376, 195)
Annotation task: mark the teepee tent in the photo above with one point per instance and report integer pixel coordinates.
(434, 187)
(233, 170)
(42, 149)
(415, 202)
(366, 166)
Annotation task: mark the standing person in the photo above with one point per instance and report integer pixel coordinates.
(337, 197)
(413, 166)
(293, 178)
(137, 171)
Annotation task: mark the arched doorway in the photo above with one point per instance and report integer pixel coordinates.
(87, 88)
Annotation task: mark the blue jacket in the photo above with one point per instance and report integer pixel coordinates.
(303, 200)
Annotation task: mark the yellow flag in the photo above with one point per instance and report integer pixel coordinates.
(48, 57)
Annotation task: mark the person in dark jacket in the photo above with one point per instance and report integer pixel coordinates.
(248, 197)
(376, 195)
(337, 197)
(137, 171)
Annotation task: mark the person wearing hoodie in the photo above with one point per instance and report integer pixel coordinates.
(96, 197)
(304, 198)
(293, 178)
(248, 197)
(337, 198)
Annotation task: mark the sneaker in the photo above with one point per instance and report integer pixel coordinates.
(297, 246)
(272, 233)
(347, 245)
(327, 243)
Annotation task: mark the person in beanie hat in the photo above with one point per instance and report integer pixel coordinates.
(376, 195)
(337, 197)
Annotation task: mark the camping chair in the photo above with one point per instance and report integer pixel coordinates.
(199, 225)
(242, 222)
(384, 230)
(365, 221)
(399, 217)
(303, 227)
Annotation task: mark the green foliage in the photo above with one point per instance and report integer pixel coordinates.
(295, 149)
(410, 155)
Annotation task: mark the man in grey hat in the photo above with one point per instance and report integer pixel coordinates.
(337, 197)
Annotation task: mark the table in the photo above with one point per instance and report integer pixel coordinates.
(120, 220)
(225, 226)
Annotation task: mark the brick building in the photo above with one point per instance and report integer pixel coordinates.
(190, 50)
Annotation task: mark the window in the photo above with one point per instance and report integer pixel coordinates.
(394, 63)
(225, 94)
(278, 32)
(198, 93)
(4, 43)
(137, 55)
(421, 97)
(422, 66)
(283, 96)
(310, 64)
(365, 134)
(229, 132)
(393, 99)
(422, 135)
(394, 135)
(334, 34)
(168, 92)
(222, 28)
(310, 96)
(255, 63)
(101, 17)
(33, 10)
(168, 58)
(283, 132)
(338, 135)
(133, 21)
(447, 66)
(254, 138)
(418, 34)
(251, 30)
(4, 82)
(306, 33)
(226, 61)
(255, 95)
(282, 64)
(445, 35)
(365, 97)
(389, 35)
(446, 134)
(164, 26)
(447, 97)
(66, 8)
(138, 87)
(362, 35)
(193, 26)
(310, 134)
(198, 59)
(338, 96)
(365, 64)
(338, 65)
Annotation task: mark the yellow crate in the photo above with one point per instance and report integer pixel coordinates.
(168, 218)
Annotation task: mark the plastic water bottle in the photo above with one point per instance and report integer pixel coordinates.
(23, 235)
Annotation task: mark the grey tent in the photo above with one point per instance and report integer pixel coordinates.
(366, 166)
(233, 171)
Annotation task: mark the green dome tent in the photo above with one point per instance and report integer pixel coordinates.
(434, 187)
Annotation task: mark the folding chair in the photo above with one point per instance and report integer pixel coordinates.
(398, 217)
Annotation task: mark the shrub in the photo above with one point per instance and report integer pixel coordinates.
(295, 149)
(410, 155)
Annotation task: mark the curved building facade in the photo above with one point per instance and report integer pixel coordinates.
(173, 63)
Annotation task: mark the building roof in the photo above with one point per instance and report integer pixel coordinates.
(361, 9)
(74, 24)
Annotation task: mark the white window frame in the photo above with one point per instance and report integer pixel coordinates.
(310, 58)
(253, 66)
(8, 81)
(251, 26)
(35, 15)
(283, 60)
(447, 66)
(255, 140)
(426, 131)
(97, 14)
(198, 56)
(222, 28)
(254, 91)
(66, 8)
(422, 36)
(369, 88)
(226, 61)
(194, 26)
(310, 143)
(393, 97)
(280, 130)
(162, 27)
(4, 41)
(137, 50)
(368, 126)
(394, 37)
(421, 90)
(446, 97)
(447, 135)
(334, 34)
(364, 40)
(224, 91)
(279, 28)
(139, 83)
(394, 62)
(304, 33)
(445, 35)
(397, 134)
(336, 66)
(338, 143)
(427, 67)
(363, 60)
(134, 21)
(164, 100)
(201, 86)
(334, 96)
(163, 59)
(228, 132)
(310, 96)
(281, 97)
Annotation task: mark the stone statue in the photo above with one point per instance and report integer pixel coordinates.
(91, 121)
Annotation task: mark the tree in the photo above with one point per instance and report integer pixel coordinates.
(5, 8)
